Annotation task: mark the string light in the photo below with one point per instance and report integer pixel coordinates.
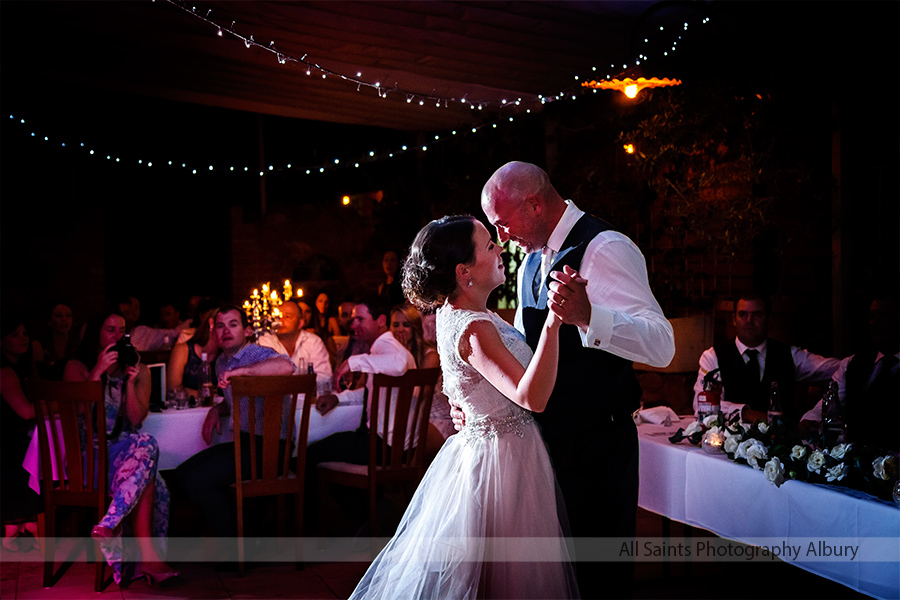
(411, 96)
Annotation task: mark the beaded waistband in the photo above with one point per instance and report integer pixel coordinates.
(490, 427)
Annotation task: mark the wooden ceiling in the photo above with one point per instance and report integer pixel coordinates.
(485, 52)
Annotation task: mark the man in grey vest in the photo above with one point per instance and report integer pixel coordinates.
(595, 279)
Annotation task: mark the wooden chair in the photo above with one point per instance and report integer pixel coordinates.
(387, 466)
(270, 460)
(74, 407)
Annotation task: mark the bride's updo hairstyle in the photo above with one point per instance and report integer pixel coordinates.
(429, 273)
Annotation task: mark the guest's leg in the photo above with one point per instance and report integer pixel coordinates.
(205, 478)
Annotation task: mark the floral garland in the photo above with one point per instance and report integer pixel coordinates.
(781, 454)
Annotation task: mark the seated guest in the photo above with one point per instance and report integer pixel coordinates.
(203, 309)
(391, 290)
(752, 361)
(186, 359)
(57, 345)
(140, 500)
(406, 326)
(387, 356)
(324, 319)
(345, 316)
(207, 475)
(19, 505)
(868, 382)
(151, 338)
(303, 347)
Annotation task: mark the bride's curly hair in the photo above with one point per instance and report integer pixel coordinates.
(429, 272)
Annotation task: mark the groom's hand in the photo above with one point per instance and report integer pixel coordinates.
(568, 297)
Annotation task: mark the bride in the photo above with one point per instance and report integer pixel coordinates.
(491, 485)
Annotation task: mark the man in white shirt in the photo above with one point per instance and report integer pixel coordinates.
(386, 356)
(304, 347)
(595, 279)
(752, 361)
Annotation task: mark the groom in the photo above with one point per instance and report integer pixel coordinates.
(595, 279)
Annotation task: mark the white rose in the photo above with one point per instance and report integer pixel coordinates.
(837, 472)
(763, 428)
(692, 429)
(840, 450)
(710, 420)
(816, 462)
(799, 452)
(882, 467)
(774, 472)
(756, 453)
(731, 444)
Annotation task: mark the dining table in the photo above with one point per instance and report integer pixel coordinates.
(734, 501)
(178, 434)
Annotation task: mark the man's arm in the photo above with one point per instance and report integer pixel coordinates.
(384, 357)
(812, 368)
(276, 365)
(625, 318)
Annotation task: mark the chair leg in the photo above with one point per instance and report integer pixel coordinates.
(100, 568)
(240, 533)
(298, 529)
(49, 545)
(373, 522)
(42, 533)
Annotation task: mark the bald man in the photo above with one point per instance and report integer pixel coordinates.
(595, 279)
(304, 347)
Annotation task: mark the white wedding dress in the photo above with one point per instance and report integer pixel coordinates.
(490, 486)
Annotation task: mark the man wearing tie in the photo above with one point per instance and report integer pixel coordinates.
(752, 361)
(595, 278)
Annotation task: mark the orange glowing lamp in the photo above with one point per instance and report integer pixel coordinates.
(345, 200)
(629, 148)
(631, 87)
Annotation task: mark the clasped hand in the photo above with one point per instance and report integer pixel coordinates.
(568, 298)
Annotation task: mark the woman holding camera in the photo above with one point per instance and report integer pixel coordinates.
(140, 500)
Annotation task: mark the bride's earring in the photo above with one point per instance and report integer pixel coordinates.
(470, 283)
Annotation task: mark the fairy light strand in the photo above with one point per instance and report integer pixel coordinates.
(412, 98)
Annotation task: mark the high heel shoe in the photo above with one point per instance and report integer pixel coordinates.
(102, 533)
(157, 573)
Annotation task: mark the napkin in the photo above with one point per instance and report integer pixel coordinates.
(658, 415)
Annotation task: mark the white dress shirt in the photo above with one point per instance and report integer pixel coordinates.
(839, 376)
(309, 347)
(808, 368)
(388, 357)
(626, 319)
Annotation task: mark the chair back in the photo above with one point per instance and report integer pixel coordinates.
(271, 414)
(71, 428)
(403, 405)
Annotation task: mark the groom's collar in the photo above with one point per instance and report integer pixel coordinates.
(563, 227)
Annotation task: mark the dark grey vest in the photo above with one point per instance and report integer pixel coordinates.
(592, 386)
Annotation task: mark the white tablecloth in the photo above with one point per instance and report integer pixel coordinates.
(178, 433)
(736, 502)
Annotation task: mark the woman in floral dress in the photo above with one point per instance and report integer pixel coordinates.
(139, 502)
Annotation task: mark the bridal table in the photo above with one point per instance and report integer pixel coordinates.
(737, 502)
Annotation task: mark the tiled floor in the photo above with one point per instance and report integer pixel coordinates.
(22, 580)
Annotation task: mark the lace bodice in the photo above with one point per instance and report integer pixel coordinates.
(488, 412)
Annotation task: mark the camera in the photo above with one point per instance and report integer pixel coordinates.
(128, 356)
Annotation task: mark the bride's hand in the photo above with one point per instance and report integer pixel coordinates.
(568, 297)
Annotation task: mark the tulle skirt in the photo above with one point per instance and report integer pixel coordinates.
(482, 524)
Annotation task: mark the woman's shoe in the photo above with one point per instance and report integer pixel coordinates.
(157, 573)
(102, 533)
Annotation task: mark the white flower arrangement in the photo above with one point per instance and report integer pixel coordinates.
(774, 472)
